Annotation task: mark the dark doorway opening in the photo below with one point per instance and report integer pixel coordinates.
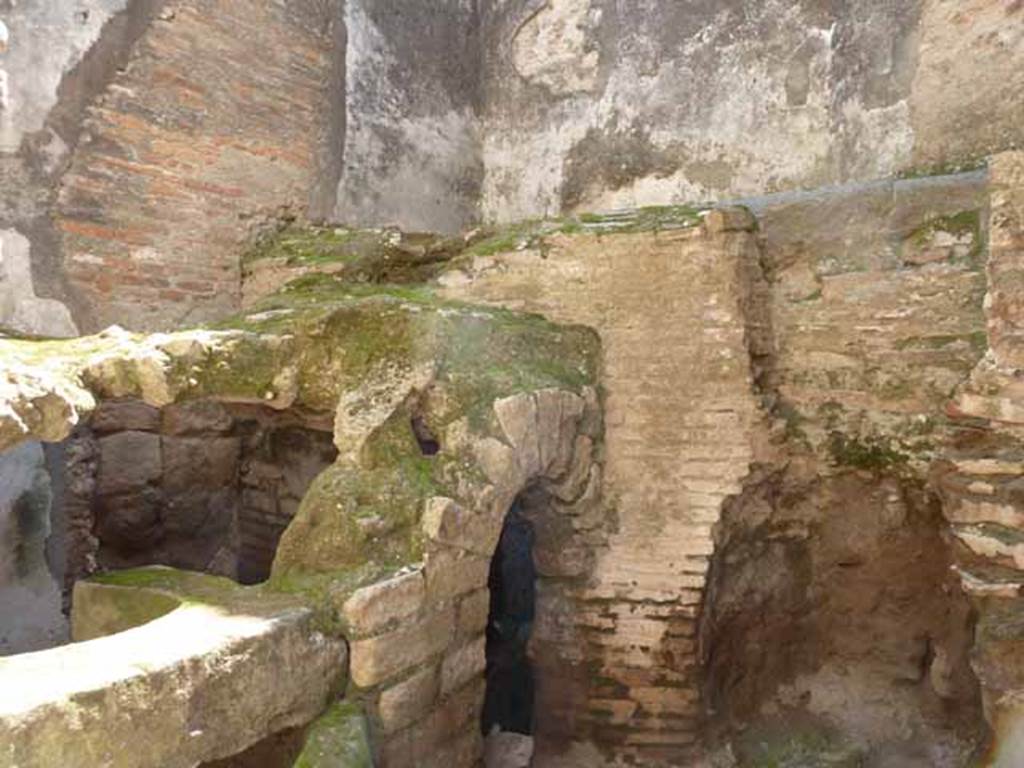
(509, 700)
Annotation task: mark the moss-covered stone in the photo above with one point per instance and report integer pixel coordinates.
(102, 610)
(358, 255)
(966, 230)
(866, 454)
(338, 738)
(354, 346)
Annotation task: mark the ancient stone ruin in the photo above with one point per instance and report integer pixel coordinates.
(551, 383)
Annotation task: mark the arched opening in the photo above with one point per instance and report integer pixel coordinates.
(508, 715)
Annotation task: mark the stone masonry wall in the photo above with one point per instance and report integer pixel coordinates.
(417, 639)
(980, 475)
(877, 299)
(217, 119)
(191, 486)
(673, 310)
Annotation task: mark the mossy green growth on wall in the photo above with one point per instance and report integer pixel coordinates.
(358, 255)
(338, 738)
(429, 360)
(965, 226)
(534, 233)
(391, 256)
(871, 455)
(341, 335)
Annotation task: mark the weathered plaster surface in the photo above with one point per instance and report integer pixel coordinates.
(597, 104)
(967, 98)
(411, 153)
(44, 41)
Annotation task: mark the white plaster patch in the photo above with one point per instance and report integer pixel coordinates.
(553, 47)
(44, 40)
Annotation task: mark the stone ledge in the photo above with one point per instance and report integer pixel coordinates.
(206, 680)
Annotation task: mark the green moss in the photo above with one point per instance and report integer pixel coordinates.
(188, 587)
(105, 610)
(873, 455)
(532, 233)
(243, 368)
(947, 168)
(794, 422)
(960, 224)
(831, 413)
(358, 255)
(357, 518)
(338, 738)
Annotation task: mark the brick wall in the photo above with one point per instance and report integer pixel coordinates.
(216, 118)
(673, 310)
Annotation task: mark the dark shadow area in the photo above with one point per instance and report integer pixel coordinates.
(425, 438)
(277, 751)
(509, 700)
(198, 486)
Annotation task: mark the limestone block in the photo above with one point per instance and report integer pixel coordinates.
(339, 737)
(124, 416)
(450, 574)
(445, 521)
(586, 511)
(363, 410)
(473, 611)
(518, 418)
(574, 482)
(128, 462)
(442, 518)
(200, 683)
(558, 414)
(405, 702)
(199, 462)
(499, 463)
(373, 608)
(453, 725)
(195, 418)
(462, 665)
(377, 659)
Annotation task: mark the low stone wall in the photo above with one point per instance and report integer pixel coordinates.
(208, 670)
